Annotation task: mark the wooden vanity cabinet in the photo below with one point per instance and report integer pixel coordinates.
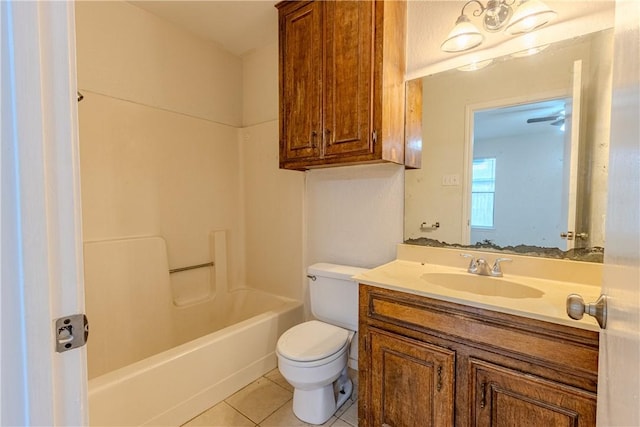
(426, 362)
(341, 82)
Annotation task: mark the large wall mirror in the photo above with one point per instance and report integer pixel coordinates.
(515, 154)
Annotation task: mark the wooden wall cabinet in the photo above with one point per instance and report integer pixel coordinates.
(342, 94)
(425, 362)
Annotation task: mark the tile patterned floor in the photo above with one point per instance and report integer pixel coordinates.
(267, 402)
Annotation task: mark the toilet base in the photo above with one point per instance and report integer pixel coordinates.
(318, 405)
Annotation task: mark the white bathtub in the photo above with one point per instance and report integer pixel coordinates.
(172, 387)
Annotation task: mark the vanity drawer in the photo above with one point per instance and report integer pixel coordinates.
(557, 346)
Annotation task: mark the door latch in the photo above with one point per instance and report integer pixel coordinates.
(71, 332)
(570, 235)
(576, 308)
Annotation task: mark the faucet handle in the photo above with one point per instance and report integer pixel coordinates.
(496, 270)
(472, 263)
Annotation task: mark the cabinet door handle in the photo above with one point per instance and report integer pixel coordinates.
(439, 384)
(483, 395)
(314, 139)
(327, 136)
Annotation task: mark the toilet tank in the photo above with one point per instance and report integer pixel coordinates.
(333, 295)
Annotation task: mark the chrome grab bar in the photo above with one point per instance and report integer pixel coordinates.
(191, 267)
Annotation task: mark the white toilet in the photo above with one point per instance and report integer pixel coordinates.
(313, 356)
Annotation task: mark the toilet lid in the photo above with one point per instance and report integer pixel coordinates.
(312, 340)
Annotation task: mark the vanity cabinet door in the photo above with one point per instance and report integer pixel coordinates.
(412, 383)
(504, 397)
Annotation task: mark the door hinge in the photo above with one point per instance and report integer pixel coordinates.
(71, 332)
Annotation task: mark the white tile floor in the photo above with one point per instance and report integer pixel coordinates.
(267, 402)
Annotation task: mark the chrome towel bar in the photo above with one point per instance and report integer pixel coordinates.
(191, 267)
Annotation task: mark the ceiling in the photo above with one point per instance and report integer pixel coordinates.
(238, 26)
(242, 25)
(511, 121)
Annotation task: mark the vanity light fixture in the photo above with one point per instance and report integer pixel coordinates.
(475, 65)
(529, 15)
(529, 52)
(464, 36)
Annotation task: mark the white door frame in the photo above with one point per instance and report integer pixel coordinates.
(572, 151)
(467, 159)
(40, 230)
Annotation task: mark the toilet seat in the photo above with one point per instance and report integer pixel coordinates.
(313, 343)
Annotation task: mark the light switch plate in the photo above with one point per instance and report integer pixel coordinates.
(450, 180)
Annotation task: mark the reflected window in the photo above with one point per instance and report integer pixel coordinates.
(483, 189)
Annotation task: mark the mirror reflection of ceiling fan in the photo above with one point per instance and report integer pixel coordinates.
(555, 119)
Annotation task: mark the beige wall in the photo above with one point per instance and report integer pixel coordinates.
(164, 151)
(158, 135)
(260, 86)
(159, 157)
(597, 131)
(158, 132)
(273, 198)
(129, 54)
(354, 214)
(179, 137)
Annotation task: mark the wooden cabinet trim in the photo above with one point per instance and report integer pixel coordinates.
(577, 336)
(413, 125)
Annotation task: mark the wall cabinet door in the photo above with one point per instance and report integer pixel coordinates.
(341, 82)
(503, 397)
(348, 77)
(412, 382)
(301, 82)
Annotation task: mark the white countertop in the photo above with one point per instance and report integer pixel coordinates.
(547, 305)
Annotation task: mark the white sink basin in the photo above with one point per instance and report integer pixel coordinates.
(541, 298)
(482, 285)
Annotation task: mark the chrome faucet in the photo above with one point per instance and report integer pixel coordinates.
(481, 267)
